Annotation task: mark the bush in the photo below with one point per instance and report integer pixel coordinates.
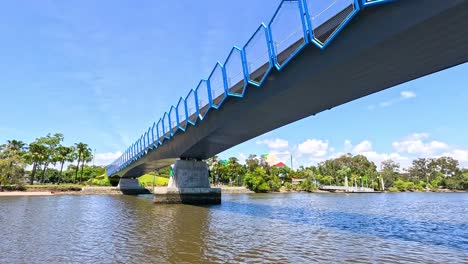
(55, 188)
(147, 180)
(403, 186)
(274, 184)
(100, 182)
(256, 182)
(9, 188)
(288, 186)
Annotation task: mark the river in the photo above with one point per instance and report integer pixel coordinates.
(253, 228)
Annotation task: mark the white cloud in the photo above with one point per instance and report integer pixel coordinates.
(414, 146)
(458, 154)
(404, 95)
(314, 147)
(377, 158)
(348, 146)
(103, 159)
(364, 146)
(242, 157)
(274, 143)
(417, 144)
(407, 94)
(386, 103)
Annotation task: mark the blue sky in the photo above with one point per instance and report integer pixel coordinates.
(102, 71)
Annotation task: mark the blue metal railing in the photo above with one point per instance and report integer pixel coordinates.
(294, 25)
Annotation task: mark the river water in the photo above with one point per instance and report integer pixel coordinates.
(253, 228)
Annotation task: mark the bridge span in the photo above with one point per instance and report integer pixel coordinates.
(309, 58)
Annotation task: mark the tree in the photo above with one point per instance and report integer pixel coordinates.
(86, 157)
(80, 149)
(12, 148)
(35, 156)
(11, 162)
(252, 163)
(389, 171)
(256, 182)
(234, 170)
(420, 169)
(447, 166)
(344, 173)
(62, 155)
(51, 142)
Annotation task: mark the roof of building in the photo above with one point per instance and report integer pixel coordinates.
(280, 165)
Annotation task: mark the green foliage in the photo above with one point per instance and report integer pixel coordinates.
(458, 182)
(226, 172)
(16, 187)
(147, 180)
(46, 157)
(403, 186)
(274, 183)
(44, 154)
(101, 180)
(55, 188)
(288, 186)
(256, 182)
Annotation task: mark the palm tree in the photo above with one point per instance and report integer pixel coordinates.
(87, 157)
(36, 155)
(13, 147)
(80, 149)
(63, 155)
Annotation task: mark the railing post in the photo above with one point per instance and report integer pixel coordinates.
(210, 98)
(271, 48)
(244, 67)
(302, 6)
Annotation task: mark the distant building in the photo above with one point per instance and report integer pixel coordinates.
(280, 165)
(297, 180)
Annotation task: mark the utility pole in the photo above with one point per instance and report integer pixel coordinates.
(292, 168)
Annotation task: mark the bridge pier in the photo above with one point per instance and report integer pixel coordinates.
(189, 185)
(131, 186)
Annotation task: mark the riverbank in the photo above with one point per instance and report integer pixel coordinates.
(25, 193)
(93, 190)
(235, 190)
(42, 190)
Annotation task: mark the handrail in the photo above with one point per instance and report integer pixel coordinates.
(331, 27)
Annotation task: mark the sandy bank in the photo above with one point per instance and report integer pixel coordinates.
(25, 193)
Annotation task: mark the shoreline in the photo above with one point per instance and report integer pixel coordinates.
(104, 190)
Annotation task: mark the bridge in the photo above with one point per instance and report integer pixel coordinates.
(312, 56)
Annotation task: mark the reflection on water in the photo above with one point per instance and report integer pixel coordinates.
(279, 228)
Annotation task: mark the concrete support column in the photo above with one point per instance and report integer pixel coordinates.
(190, 184)
(131, 186)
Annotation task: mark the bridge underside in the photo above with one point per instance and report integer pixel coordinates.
(383, 46)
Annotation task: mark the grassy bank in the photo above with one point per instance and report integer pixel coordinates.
(147, 180)
(54, 188)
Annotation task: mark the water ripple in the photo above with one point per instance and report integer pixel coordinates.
(283, 228)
